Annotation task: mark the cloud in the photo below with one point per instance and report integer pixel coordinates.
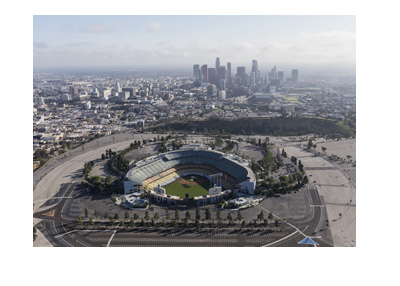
(95, 28)
(153, 27)
(40, 45)
(67, 28)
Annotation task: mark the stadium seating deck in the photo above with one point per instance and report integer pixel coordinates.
(172, 164)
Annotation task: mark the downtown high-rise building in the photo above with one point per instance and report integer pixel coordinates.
(280, 75)
(221, 74)
(212, 76)
(254, 68)
(295, 75)
(241, 76)
(217, 64)
(229, 75)
(73, 90)
(204, 73)
(117, 87)
(197, 75)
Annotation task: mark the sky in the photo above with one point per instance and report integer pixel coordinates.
(319, 42)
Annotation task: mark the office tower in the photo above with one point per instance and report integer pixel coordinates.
(130, 90)
(221, 74)
(295, 75)
(212, 76)
(73, 90)
(117, 87)
(211, 89)
(196, 75)
(222, 84)
(252, 78)
(273, 73)
(222, 94)
(217, 64)
(229, 74)
(254, 68)
(204, 73)
(280, 75)
(241, 74)
(275, 82)
(106, 94)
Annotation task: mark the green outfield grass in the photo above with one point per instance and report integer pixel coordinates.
(198, 186)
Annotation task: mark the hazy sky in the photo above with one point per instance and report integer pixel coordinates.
(180, 41)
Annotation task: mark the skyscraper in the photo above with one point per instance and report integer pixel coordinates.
(117, 87)
(221, 74)
(280, 75)
(241, 74)
(229, 74)
(73, 90)
(252, 78)
(204, 73)
(217, 64)
(212, 76)
(196, 75)
(254, 68)
(295, 75)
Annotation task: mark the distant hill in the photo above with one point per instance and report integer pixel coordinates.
(284, 126)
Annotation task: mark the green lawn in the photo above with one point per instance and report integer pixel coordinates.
(180, 188)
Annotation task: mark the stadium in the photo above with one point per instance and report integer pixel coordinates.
(193, 175)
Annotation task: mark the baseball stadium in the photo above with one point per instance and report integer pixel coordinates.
(194, 174)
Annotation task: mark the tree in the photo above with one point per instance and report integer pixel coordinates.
(270, 216)
(135, 216)
(106, 215)
(239, 216)
(255, 224)
(126, 215)
(156, 216)
(34, 233)
(208, 214)
(244, 224)
(198, 213)
(91, 221)
(86, 213)
(277, 223)
(177, 214)
(229, 217)
(116, 216)
(323, 149)
(197, 223)
(132, 223)
(167, 213)
(187, 215)
(265, 222)
(219, 214)
(186, 223)
(146, 215)
(175, 223)
(310, 144)
(163, 224)
(261, 216)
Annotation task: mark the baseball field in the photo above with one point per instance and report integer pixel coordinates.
(193, 185)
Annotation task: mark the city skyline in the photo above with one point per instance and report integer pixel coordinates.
(309, 43)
